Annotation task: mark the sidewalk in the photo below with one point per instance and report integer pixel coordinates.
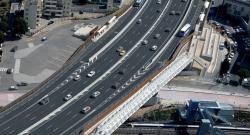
(8, 97)
(179, 94)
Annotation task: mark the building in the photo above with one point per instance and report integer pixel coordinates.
(239, 8)
(33, 12)
(57, 8)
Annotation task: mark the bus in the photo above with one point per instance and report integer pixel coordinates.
(185, 30)
(138, 3)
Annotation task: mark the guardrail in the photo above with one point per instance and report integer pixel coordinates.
(21, 99)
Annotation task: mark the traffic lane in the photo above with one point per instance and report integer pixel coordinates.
(43, 113)
(61, 80)
(114, 78)
(119, 25)
(168, 55)
(76, 110)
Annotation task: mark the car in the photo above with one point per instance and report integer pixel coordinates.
(139, 21)
(144, 42)
(9, 71)
(86, 109)
(95, 94)
(13, 49)
(177, 13)
(50, 22)
(158, 10)
(119, 49)
(67, 97)
(91, 73)
(167, 30)
(158, 2)
(229, 59)
(81, 12)
(13, 87)
(122, 72)
(77, 77)
(122, 53)
(115, 86)
(183, 0)
(231, 55)
(22, 84)
(157, 36)
(221, 46)
(172, 12)
(154, 47)
(44, 101)
(44, 38)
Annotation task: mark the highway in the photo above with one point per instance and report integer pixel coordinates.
(69, 117)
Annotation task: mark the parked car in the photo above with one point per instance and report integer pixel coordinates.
(13, 88)
(22, 84)
(50, 22)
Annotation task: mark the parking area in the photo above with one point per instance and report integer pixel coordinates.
(32, 61)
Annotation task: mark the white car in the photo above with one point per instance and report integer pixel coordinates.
(231, 55)
(77, 77)
(67, 97)
(158, 2)
(86, 109)
(91, 74)
(154, 47)
(122, 53)
(44, 38)
(95, 94)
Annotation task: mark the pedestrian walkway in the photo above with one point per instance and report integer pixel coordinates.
(179, 94)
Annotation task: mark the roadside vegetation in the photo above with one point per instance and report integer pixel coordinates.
(159, 115)
(242, 116)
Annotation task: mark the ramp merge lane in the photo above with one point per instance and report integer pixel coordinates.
(69, 119)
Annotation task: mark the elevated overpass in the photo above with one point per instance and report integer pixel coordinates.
(139, 63)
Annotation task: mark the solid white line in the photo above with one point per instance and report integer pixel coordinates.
(65, 105)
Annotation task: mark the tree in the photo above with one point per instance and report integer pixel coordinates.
(1, 37)
(3, 25)
(19, 26)
(243, 73)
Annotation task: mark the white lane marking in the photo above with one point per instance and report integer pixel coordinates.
(17, 66)
(64, 106)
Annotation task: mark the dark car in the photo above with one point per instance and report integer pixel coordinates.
(50, 22)
(44, 101)
(22, 84)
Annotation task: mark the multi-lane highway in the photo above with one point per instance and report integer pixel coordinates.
(60, 117)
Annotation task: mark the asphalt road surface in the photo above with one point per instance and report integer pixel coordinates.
(69, 118)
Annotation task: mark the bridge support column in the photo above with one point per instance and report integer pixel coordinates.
(123, 112)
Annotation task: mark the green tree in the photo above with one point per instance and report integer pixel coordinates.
(224, 67)
(243, 73)
(19, 26)
(1, 37)
(3, 26)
